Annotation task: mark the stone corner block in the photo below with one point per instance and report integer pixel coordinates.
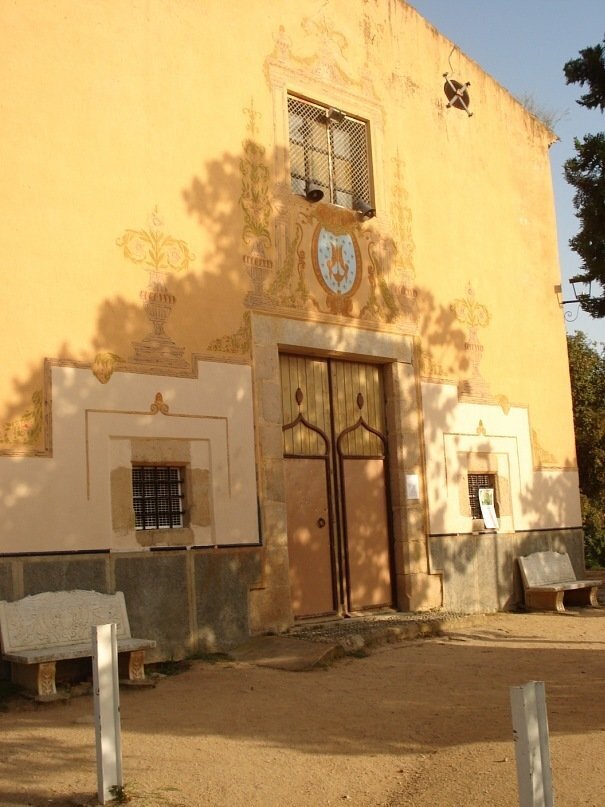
(270, 610)
(419, 592)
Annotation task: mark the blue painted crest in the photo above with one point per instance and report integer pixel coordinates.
(337, 262)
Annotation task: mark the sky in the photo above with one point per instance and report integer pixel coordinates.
(524, 44)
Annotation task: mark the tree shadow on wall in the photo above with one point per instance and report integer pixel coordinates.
(213, 199)
(201, 313)
(233, 204)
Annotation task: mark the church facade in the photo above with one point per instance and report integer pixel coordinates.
(281, 332)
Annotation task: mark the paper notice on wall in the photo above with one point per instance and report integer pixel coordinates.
(412, 486)
(488, 508)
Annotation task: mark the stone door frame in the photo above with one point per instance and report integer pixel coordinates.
(416, 589)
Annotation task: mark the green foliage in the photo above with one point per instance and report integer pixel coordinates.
(586, 173)
(594, 532)
(589, 69)
(119, 794)
(587, 371)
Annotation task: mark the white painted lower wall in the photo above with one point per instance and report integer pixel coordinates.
(455, 432)
(63, 502)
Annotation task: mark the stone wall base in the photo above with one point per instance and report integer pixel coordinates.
(419, 592)
(480, 573)
(189, 601)
(205, 600)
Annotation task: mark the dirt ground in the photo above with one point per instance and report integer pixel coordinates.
(419, 723)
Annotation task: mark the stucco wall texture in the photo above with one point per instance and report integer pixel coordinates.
(112, 111)
(150, 237)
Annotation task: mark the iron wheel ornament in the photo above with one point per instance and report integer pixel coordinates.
(457, 94)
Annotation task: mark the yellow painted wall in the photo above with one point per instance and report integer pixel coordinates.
(113, 109)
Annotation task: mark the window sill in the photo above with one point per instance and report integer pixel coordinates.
(180, 536)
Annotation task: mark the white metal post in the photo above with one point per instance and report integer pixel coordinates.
(530, 733)
(107, 712)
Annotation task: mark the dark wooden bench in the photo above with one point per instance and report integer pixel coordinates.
(549, 582)
(43, 629)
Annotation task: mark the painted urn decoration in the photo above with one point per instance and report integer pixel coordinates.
(159, 254)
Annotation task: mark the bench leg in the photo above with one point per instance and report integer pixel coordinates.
(136, 665)
(38, 678)
(545, 600)
(132, 666)
(583, 597)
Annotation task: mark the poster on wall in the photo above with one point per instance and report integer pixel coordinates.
(412, 486)
(488, 508)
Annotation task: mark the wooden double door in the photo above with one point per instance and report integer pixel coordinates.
(334, 440)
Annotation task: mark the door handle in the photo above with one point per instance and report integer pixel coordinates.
(321, 522)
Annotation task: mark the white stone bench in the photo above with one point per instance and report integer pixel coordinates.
(40, 630)
(549, 582)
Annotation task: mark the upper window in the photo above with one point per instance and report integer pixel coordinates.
(157, 493)
(329, 152)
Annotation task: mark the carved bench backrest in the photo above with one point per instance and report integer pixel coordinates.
(57, 618)
(545, 568)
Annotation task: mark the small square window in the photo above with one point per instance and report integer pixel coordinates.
(157, 496)
(475, 483)
(329, 151)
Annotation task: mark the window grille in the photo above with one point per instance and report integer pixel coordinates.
(476, 481)
(157, 493)
(329, 150)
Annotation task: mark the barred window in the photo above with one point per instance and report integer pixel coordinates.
(157, 494)
(329, 151)
(475, 482)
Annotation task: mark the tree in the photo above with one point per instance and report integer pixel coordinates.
(586, 172)
(587, 371)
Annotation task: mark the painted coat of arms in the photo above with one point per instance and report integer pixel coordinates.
(337, 264)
